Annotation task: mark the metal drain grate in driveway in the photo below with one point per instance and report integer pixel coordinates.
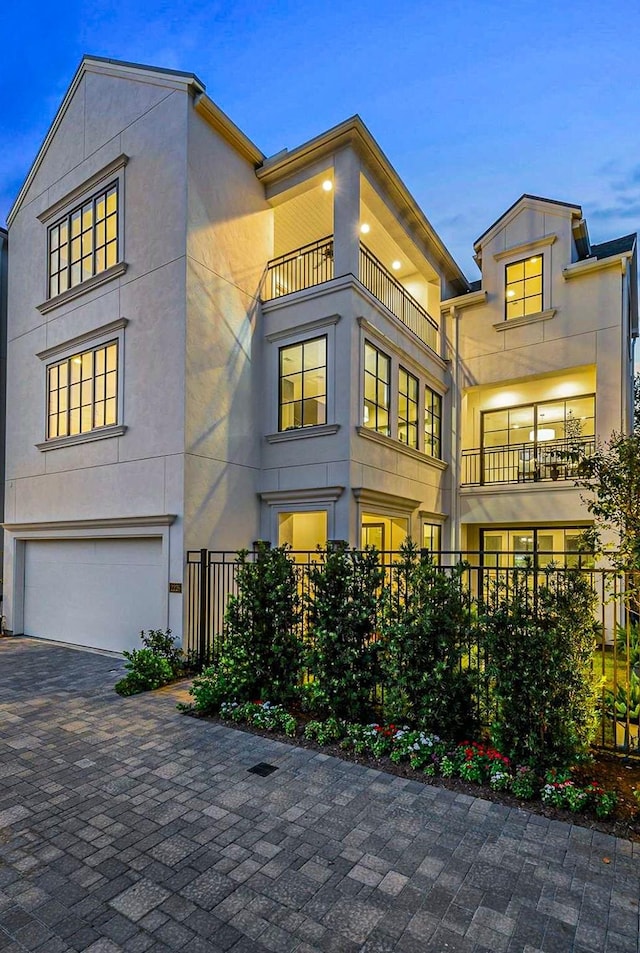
(263, 769)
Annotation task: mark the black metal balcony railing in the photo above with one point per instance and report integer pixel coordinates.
(313, 264)
(525, 462)
(302, 268)
(387, 289)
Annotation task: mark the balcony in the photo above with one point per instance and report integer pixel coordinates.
(313, 264)
(550, 461)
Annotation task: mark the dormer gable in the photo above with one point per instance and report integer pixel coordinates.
(531, 219)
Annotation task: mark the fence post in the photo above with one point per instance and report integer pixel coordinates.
(204, 604)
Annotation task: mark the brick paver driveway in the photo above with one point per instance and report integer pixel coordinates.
(126, 826)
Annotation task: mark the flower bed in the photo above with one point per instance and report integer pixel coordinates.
(470, 762)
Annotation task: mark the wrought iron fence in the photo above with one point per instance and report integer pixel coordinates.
(525, 462)
(212, 581)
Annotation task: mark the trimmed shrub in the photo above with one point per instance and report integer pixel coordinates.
(262, 653)
(426, 620)
(539, 640)
(343, 655)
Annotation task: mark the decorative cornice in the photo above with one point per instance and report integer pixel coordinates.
(300, 433)
(471, 300)
(440, 518)
(308, 294)
(109, 522)
(504, 489)
(102, 434)
(71, 293)
(112, 328)
(400, 447)
(304, 328)
(88, 185)
(377, 498)
(508, 323)
(325, 494)
(525, 247)
(590, 265)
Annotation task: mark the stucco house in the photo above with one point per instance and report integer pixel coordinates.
(207, 346)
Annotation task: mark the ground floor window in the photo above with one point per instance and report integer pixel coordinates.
(508, 546)
(386, 533)
(303, 530)
(432, 537)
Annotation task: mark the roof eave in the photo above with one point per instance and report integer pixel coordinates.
(227, 129)
(526, 198)
(353, 132)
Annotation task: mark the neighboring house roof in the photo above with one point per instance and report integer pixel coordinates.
(523, 198)
(354, 133)
(618, 246)
(475, 285)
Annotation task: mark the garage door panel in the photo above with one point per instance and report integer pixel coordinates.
(98, 593)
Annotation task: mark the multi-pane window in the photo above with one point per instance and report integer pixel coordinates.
(84, 242)
(377, 375)
(303, 384)
(565, 547)
(523, 287)
(82, 392)
(565, 419)
(432, 423)
(407, 408)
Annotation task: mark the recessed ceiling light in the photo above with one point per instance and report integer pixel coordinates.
(510, 293)
(365, 228)
(396, 264)
(327, 185)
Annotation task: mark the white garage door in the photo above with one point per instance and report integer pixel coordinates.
(95, 592)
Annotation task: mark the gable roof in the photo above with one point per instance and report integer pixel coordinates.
(524, 198)
(176, 79)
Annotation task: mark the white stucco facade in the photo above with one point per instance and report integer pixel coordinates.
(228, 264)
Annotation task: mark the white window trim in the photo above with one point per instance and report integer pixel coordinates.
(539, 246)
(392, 408)
(113, 172)
(90, 340)
(399, 359)
(275, 502)
(325, 327)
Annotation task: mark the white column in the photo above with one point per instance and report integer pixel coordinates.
(346, 213)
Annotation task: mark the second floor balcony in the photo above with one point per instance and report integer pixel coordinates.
(312, 265)
(532, 462)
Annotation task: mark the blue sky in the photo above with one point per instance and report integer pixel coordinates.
(473, 102)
